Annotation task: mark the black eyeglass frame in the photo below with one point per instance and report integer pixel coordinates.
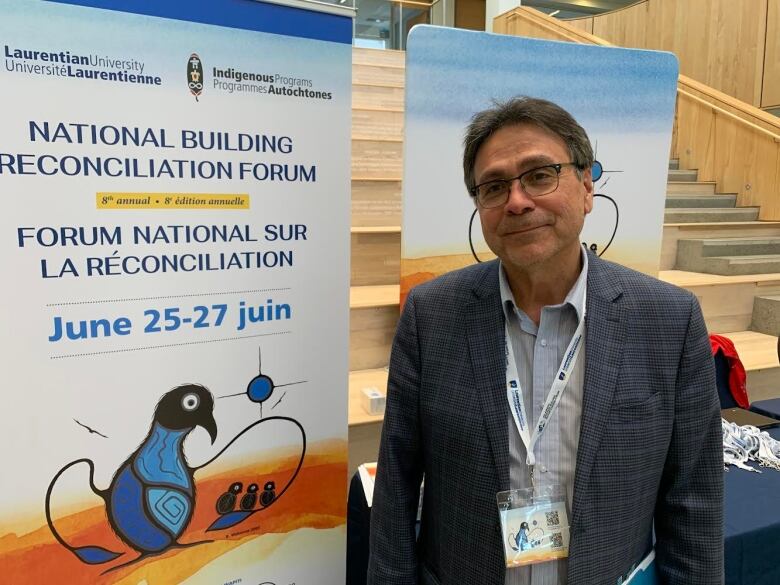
(557, 166)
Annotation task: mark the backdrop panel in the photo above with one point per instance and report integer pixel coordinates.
(624, 98)
(175, 310)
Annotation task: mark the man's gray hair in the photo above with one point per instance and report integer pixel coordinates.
(525, 110)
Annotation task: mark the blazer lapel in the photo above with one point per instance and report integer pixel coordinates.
(605, 330)
(484, 320)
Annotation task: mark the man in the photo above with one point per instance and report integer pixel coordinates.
(634, 436)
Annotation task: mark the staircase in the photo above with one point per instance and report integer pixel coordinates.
(731, 261)
(691, 202)
(703, 231)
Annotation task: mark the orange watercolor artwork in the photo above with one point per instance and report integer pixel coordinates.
(316, 499)
(415, 271)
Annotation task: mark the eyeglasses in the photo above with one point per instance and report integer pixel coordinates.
(536, 182)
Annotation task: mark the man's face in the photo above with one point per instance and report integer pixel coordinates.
(527, 232)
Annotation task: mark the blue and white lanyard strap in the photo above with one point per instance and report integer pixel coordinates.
(514, 392)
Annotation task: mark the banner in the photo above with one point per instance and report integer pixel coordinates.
(175, 236)
(624, 98)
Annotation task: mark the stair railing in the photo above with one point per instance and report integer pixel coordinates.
(728, 141)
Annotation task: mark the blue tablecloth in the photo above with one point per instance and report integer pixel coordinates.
(752, 526)
(770, 408)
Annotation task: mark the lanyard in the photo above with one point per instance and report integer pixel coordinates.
(514, 392)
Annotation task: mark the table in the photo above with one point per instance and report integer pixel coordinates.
(752, 525)
(769, 407)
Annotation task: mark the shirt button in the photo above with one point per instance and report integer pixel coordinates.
(544, 343)
(544, 469)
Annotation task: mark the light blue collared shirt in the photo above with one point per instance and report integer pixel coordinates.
(538, 354)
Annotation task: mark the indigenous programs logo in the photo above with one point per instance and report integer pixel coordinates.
(195, 75)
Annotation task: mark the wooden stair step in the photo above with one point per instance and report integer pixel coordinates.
(383, 57)
(687, 187)
(363, 297)
(758, 352)
(389, 75)
(686, 175)
(377, 229)
(710, 214)
(376, 202)
(373, 317)
(673, 232)
(727, 302)
(376, 256)
(743, 264)
(685, 279)
(700, 200)
(377, 123)
(372, 95)
(377, 158)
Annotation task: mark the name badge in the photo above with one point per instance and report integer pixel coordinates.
(534, 525)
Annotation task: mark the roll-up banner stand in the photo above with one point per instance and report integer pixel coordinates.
(175, 242)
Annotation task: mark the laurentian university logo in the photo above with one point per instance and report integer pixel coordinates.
(195, 75)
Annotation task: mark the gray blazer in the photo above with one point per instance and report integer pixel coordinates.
(649, 456)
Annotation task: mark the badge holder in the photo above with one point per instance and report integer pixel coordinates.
(534, 525)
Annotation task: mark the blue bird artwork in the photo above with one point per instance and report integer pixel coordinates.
(152, 497)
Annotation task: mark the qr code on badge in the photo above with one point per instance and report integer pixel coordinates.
(557, 539)
(552, 518)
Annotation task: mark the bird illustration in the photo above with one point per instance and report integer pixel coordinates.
(278, 402)
(250, 497)
(151, 498)
(268, 495)
(90, 429)
(227, 501)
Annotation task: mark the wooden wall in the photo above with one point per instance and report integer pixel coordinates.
(584, 24)
(730, 142)
(470, 14)
(738, 152)
(771, 94)
(730, 45)
(524, 22)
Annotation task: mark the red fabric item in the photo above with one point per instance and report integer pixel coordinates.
(737, 376)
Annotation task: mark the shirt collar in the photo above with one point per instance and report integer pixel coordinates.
(575, 296)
